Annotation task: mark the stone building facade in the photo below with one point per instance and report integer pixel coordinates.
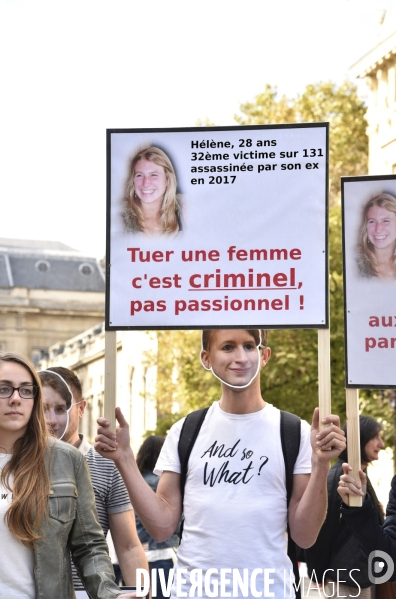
(52, 301)
(378, 68)
(48, 293)
(136, 377)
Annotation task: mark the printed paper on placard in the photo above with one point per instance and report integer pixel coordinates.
(250, 247)
(369, 239)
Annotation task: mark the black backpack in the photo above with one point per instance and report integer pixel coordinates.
(290, 432)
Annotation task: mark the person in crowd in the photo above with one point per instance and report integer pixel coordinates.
(151, 204)
(234, 500)
(336, 548)
(47, 506)
(364, 522)
(159, 555)
(64, 406)
(376, 255)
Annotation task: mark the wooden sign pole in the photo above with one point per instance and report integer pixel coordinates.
(324, 378)
(353, 434)
(110, 381)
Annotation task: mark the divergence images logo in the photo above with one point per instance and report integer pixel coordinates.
(380, 567)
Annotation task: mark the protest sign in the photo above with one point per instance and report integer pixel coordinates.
(369, 241)
(249, 240)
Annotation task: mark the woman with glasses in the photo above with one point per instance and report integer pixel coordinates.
(47, 505)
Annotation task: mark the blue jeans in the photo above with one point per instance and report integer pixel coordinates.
(117, 573)
(165, 565)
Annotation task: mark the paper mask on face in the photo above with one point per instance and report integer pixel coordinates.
(57, 404)
(252, 375)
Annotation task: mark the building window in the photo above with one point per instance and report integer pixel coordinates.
(38, 354)
(42, 266)
(85, 269)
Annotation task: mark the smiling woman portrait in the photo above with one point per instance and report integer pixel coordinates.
(151, 204)
(376, 250)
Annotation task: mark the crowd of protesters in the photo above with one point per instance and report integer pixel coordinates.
(231, 492)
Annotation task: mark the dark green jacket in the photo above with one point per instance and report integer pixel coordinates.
(71, 527)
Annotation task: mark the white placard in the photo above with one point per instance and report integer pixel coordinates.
(253, 246)
(370, 315)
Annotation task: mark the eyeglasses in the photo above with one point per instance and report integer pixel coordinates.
(25, 392)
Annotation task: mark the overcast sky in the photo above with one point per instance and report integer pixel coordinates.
(69, 70)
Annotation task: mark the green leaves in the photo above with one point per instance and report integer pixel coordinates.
(320, 102)
(182, 383)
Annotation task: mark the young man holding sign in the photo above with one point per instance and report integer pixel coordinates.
(235, 504)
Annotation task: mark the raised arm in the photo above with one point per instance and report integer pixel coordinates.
(308, 503)
(159, 512)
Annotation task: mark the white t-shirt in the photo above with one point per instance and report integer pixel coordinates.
(17, 561)
(235, 505)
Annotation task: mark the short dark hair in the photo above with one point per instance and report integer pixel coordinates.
(369, 428)
(148, 453)
(55, 383)
(255, 333)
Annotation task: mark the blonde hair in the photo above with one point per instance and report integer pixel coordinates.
(367, 260)
(170, 208)
(31, 484)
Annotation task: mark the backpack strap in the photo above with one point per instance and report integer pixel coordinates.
(188, 436)
(290, 432)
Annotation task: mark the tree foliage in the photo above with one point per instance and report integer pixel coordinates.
(290, 380)
(182, 383)
(320, 102)
(267, 109)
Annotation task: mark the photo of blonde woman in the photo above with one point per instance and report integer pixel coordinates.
(376, 250)
(151, 204)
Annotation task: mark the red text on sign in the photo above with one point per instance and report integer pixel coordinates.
(157, 282)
